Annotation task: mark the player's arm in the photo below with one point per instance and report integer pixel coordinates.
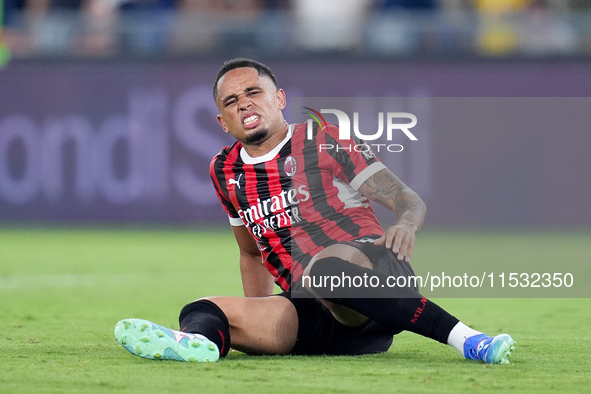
(386, 189)
(256, 280)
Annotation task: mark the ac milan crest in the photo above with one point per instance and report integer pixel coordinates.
(291, 166)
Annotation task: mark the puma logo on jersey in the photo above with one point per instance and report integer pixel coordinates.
(235, 181)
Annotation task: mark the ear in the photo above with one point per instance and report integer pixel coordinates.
(222, 123)
(280, 98)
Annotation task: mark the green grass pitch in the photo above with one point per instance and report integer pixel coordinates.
(63, 290)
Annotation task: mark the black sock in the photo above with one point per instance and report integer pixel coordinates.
(398, 308)
(206, 318)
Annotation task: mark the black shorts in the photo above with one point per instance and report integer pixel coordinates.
(319, 333)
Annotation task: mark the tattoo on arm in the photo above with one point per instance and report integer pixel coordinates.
(386, 189)
(382, 188)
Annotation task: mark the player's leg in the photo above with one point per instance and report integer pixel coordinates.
(397, 308)
(257, 325)
(282, 324)
(209, 327)
(400, 308)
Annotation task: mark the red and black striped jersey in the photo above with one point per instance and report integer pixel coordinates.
(299, 198)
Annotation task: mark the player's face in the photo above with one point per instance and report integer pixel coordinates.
(250, 105)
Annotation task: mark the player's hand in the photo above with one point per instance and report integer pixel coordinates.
(400, 238)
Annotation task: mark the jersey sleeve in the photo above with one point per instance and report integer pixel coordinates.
(351, 160)
(219, 182)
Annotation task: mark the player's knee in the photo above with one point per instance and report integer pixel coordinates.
(321, 271)
(307, 270)
(307, 279)
(334, 258)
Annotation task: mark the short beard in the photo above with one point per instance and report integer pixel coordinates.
(257, 137)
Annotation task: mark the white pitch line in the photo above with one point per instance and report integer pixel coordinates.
(47, 281)
(62, 281)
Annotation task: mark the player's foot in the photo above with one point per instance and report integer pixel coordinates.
(491, 350)
(149, 340)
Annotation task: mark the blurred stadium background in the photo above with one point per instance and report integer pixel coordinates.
(106, 111)
(107, 121)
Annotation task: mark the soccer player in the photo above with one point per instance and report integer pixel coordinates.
(298, 212)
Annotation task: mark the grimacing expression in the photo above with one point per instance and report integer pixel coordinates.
(250, 105)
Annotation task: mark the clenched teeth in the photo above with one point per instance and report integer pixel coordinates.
(250, 120)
